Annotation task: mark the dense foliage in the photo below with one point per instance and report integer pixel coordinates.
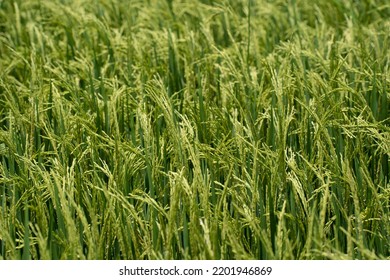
(194, 129)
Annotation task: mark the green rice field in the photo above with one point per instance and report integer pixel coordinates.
(194, 129)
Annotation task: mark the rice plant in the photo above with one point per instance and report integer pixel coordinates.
(178, 129)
